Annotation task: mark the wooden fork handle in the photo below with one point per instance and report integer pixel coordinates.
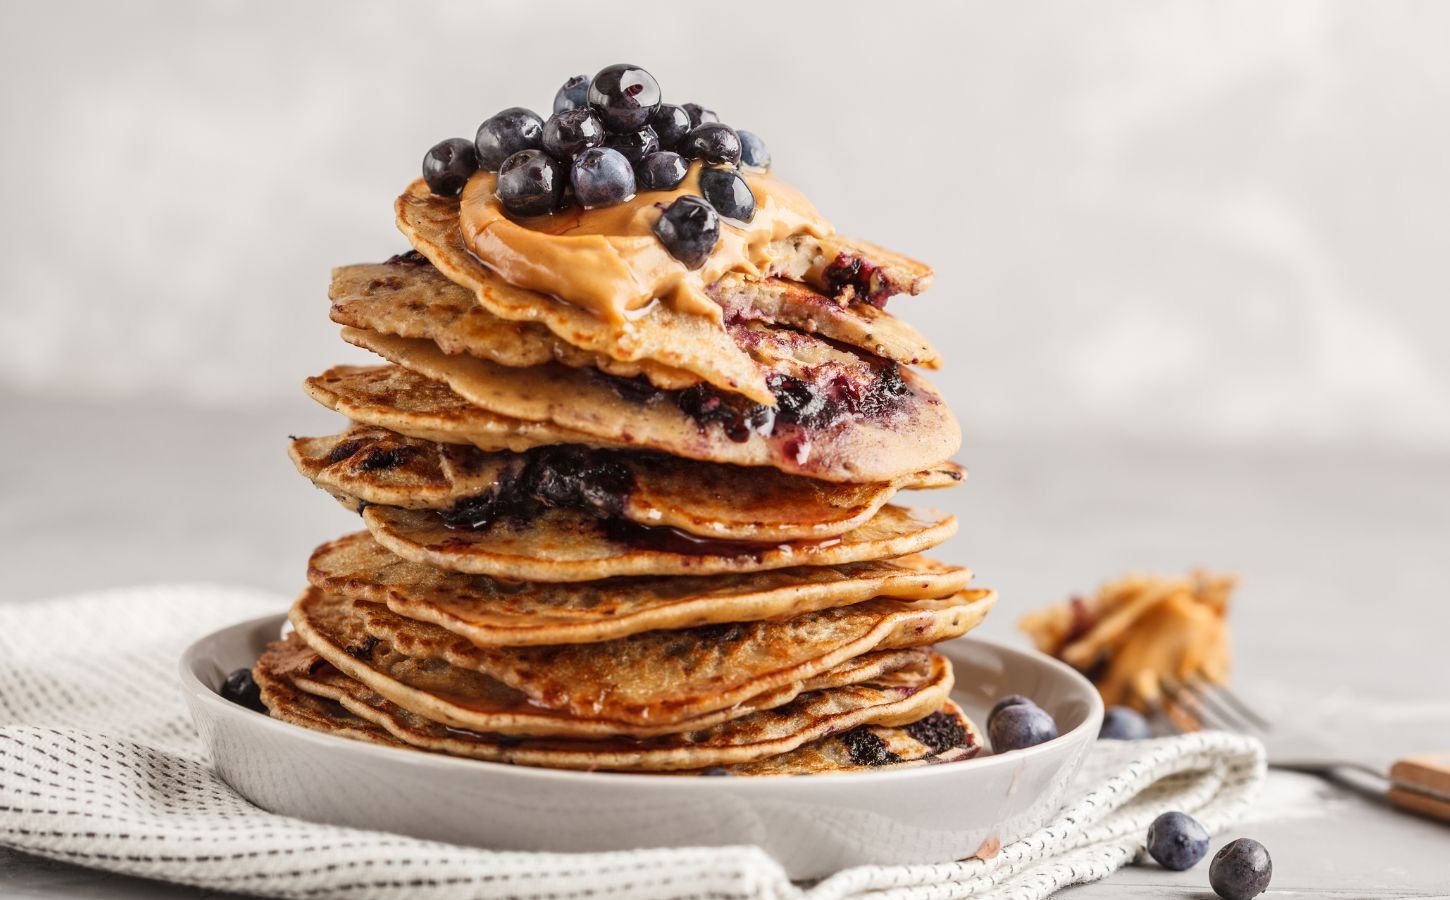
(1421, 784)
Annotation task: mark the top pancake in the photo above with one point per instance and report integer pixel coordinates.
(408, 297)
(674, 340)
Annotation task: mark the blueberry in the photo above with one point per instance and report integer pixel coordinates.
(1240, 870)
(625, 96)
(753, 151)
(1123, 723)
(715, 772)
(1019, 727)
(448, 165)
(699, 115)
(662, 171)
(574, 94)
(531, 183)
(601, 177)
(728, 193)
(634, 145)
(241, 689)
(689, 229)
(505, 133)
(1009, 700)
(716, 144)
(1176, 841)
(571, 132)
(671, 123)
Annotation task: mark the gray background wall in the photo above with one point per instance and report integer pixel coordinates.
(1218, 223)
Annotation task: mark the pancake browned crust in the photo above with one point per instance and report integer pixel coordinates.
(660, 677)
(866, 747)
(466, 698)
(678, 341)
(915, 431)
(896, 698)
(392, 397)
(561, 545)
(370, 465)
(489, 612)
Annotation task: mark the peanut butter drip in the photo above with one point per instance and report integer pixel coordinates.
(609, 261)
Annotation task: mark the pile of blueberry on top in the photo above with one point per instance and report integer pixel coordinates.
(609, 137)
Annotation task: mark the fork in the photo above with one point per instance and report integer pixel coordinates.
(1419, 784)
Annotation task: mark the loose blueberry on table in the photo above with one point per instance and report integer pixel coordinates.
(1122, 723)
(608, 137)
(1176, 841)
(1240, 870)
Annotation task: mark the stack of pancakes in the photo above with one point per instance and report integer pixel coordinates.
(667, 545)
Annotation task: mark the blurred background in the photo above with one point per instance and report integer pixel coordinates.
(1191, 271)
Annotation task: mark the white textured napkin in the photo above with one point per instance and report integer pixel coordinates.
(99, 766)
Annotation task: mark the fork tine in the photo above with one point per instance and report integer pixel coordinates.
(1216, 715)
(1183, 711)
(1229, 698)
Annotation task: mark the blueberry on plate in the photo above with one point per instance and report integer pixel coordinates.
(671, 123)
(240, 688)
(1240, 870)
(1176, 841)
(714, 143)
(601, 177)
(661, 171)
(634, 145)
(571, 132)
(531, 183)
(689, 229)
(1123, 723)
(448, 165)
(574, 94)
(625, 96)
(1019, 727)
(505, 133)
(699, 115)
(1009, 700)
(728, 193)
(753, 152)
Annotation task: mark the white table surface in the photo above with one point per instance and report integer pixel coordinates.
(1342, 616)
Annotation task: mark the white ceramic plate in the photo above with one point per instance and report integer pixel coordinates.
(813, 825)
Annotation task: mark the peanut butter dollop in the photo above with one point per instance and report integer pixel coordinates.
(609, 261)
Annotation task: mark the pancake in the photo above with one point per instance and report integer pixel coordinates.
(946, 735)
(466, 698)
(272, 673)
(406, 296)
(897, 698)
(674, 340)
(660, 677)
(489, 612)
(367, 465)
(863, 748)
(562, 545)
(903, 425)
(392, 397)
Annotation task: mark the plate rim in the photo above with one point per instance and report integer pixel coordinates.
(197, 692)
